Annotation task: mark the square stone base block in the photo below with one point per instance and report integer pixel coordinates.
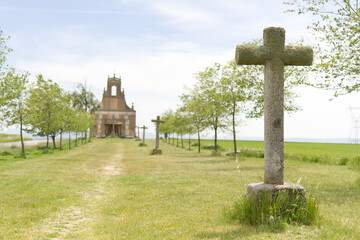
(293, 190)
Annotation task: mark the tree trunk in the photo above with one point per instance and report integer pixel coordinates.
(189, 141)
(47, 137)
(182, 141)
(234, 134)
(76, 139)
(215, 128)
(69, 140)
(198, 141)
(215, 146)
(53, 139)
(61, 139)
(85, 136)
(177, 140)
(173, 138)
(21, 137)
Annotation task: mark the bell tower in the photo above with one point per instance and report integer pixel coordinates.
(115, 118)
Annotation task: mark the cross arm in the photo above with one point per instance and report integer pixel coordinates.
(160, 121)
(297, 56)
(250, 54)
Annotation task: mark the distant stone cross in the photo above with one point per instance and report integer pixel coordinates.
(143, 128)
(157, 121)
(274, 55)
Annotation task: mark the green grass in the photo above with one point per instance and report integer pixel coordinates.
(11, 138)
(326, 153)
(275, 210)
(113, 189)
(10, 153)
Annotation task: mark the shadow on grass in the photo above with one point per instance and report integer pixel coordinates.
(208, 161)
(237, 232)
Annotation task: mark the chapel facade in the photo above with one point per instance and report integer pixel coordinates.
(115, 117)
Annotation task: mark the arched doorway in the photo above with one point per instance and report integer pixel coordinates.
(113, 128)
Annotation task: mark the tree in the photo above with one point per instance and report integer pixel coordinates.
(235, 86)
(4, 50)
(208, 88)
(44, 109)
(180, 124)
(167, 127)
(336, 24)
(15, 96)
(66, 116)
(85, 100)
(195, 107)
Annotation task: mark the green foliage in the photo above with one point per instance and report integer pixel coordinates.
(85, 100)
(356, 162)
(14, 93)
(336, 27)
(4, 50)
(221, 93)
(275, 211)
(210, 147)
(256, 153)
(44, 107)
(343, 161)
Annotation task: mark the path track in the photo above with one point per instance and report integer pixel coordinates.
(102, 163)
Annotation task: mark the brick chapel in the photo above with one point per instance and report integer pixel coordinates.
(115, 117)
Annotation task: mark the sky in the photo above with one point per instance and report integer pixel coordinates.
(156, 46)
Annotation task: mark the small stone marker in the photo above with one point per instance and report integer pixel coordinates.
(274, 55)
(143, 128)
(157, 150)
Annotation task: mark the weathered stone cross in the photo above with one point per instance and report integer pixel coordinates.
(143, 128)
(157, 121)
(274, 55)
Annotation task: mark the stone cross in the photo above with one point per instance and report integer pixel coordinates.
(157, 121)
(138, 128)
(274, 55)
(143, 128)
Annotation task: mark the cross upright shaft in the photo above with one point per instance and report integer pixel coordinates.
(274, 55)
(143, 128)
(157, 121)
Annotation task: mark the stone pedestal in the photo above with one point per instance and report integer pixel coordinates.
(292, 189)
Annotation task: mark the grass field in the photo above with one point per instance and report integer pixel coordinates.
(10, 138)
(114, 189)
(327, 153)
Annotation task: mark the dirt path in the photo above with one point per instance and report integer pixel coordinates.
(76, 219)
(26, 143)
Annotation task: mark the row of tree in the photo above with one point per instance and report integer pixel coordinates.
(221, 95)
(42, 108)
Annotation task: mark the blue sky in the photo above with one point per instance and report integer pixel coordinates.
(156, 46)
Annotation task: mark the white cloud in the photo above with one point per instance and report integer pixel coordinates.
(152, 80)
(178, 47)
(180, 12)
